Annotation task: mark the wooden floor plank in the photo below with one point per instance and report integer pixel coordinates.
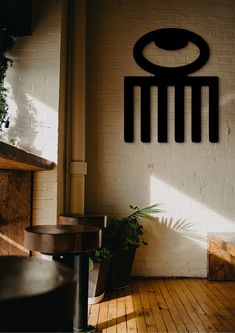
(164, 309)
(207, 305)
(112, 314)
(180, 306)
(167, 305)
(130, 312)
(148, 315)
(197, 306)
(103, 317)
(194, 311)
(140, 321)
(94, 314)
(222, 311)
(225, 290)
(121, 312)
(175, 314)
(160, 325)
(228, 298)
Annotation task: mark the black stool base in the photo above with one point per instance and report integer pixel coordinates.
(89, 329)
(80, 265)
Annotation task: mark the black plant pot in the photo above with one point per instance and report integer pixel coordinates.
(97, 280)
(120, 268)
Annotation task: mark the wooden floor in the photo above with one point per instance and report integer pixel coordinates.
(179, 305)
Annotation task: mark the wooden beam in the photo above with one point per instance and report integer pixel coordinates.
(17, 159)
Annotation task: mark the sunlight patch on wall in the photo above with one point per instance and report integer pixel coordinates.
(46, 127)
(177, 239)
(181, 206)
(33, 126)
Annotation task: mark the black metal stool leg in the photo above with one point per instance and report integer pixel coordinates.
(81, 269)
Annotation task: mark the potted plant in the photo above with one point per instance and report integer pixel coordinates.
(114, 261)
(110, 266)
(99, 265)
(122, 236)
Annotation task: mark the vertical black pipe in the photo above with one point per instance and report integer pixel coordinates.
(145, 113)
(196, 113)
(179, 112)
(162, 113)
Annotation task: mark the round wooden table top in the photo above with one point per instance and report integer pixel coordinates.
(23, 277)
(62, 239)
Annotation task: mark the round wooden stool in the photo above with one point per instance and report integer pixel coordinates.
(94, 220)
(98, 275)
(73, 240)
(35, 295)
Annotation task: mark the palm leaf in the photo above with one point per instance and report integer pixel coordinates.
(142, 212)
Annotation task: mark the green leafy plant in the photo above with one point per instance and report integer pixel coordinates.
(124, 232)
(128, 231)
(98, 255)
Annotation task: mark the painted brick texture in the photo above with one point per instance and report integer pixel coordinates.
(33, 83)
(194, 183)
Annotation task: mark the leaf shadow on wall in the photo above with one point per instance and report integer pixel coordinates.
(174, 242)
(22, 131)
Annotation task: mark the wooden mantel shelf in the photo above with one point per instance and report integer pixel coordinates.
(17, 159)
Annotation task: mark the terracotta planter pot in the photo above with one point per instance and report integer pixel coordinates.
(120, 268)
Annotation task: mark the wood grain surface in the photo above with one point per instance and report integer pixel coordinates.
(62, 239)
(15, 210)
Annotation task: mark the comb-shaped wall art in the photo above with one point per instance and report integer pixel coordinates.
(163, 77)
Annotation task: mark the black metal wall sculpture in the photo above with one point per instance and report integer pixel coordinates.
(170, 39)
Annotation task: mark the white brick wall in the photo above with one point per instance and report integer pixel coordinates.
(195, 183)
(33, 83)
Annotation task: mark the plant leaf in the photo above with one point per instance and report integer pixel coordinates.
(134, 207)
(91, 264)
